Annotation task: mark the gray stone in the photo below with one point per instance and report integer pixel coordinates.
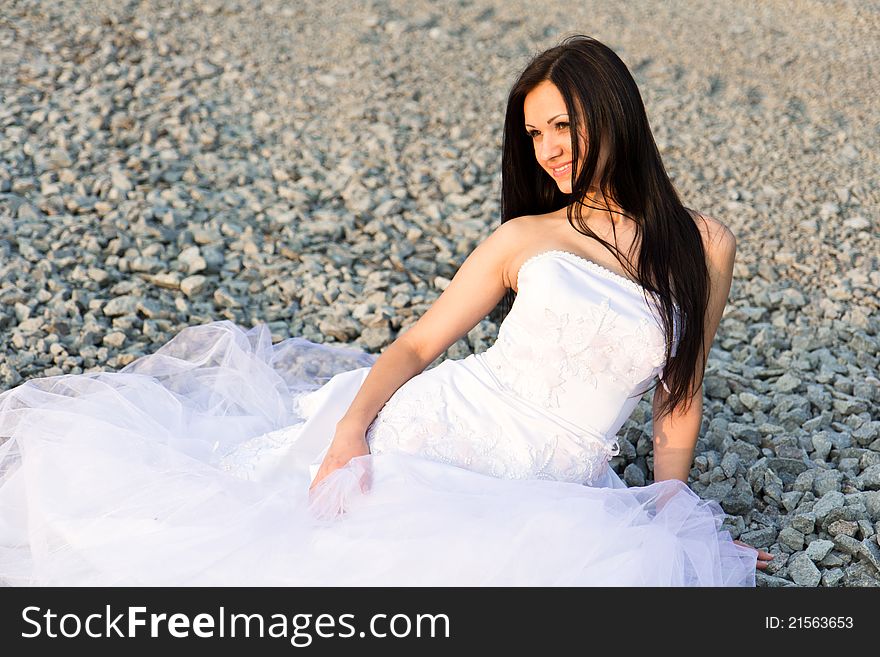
(120, 180)
(747, 453)
(740, 499)
(871, 500)
(792, 298)
(851, 515)
(867, 433)
(716, 387)
(759, 538)
(31, 325)
(114, 339)
(787, 383)
(340, 328)
(841, 526)
(124, 305)
(148, 308)
(717, 475)
(100, 276)
(861, 575)
(857, 222)
(790, 499)
(829, 501)
(375, 338)
(804, 481)
(870, 552)
(167, 280)
(730, 463)
(224, 299)
(750, 400)
(832, 577)
(633, 475)
(744, 432)
(835, 559)
(192, 259)
(718, 490)
(193, 285)
(870, 478)
(847, 544)
(822, 445)
(787, 467)
(866, 529)
(826, 481)
(819, 549)
(803, 571)
(773, 487)
(204, 235)
(792, 539)
(763, 580)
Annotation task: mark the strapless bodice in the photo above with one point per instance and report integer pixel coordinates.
(580, 340)
(573, 357)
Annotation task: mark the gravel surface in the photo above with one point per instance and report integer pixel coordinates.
(324, 167)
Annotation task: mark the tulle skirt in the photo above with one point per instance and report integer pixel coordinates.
(190, 466)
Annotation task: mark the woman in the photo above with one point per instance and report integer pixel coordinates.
(192, 465)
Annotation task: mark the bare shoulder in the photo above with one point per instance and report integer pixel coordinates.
(515, 236)
(718, 240)
(519, 228)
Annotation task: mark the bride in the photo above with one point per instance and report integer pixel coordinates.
(224, 459)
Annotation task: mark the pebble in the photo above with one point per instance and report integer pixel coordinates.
(124, 305)
(792, 539)
(192, 285)
(803, 571)
(819, 549)
(114, 339)
(870, 478)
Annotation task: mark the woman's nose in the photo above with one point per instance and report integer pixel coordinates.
(550, 146)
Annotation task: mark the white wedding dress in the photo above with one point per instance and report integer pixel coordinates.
(191, 465)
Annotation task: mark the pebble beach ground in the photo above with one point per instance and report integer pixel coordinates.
(324, 167)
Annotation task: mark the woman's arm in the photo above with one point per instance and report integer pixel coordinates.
(675, 435)
(476, 288)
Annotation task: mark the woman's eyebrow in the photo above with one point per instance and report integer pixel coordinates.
(529, 125)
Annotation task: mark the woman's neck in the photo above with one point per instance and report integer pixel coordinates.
(604, 211)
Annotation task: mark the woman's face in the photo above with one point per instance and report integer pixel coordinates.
(547, 123)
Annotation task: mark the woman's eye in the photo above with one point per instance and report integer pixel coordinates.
(562, 125)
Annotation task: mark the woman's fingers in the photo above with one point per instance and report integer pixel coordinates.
(340, 452)
(763, 556)
(366, 479)
(322, 473)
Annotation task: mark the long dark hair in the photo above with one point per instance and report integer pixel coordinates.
(601, 94)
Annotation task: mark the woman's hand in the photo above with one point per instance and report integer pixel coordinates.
(763, 557)
(347, 444)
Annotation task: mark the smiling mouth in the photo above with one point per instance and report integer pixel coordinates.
(561, 171)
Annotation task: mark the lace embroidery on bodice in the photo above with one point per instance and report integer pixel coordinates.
(587, 349)
(426, 424)
(596, 345)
